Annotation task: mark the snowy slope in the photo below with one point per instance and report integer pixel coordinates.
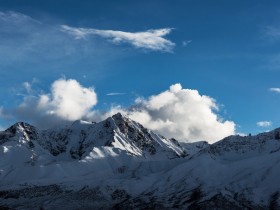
(78, 140)
(82, 149)
(117, 163)
(234, 173)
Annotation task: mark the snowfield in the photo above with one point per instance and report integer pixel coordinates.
(119, 164)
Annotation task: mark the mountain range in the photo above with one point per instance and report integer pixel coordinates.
(119, 164)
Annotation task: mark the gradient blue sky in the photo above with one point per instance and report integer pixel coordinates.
(228, 50)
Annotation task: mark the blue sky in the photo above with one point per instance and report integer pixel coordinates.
(228, 51)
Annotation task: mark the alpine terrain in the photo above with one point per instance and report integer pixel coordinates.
(119, 164)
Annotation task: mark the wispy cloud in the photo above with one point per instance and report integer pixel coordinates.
(264, 124)
(151, 39)
(185, 43)
(115, 94)
(40, 47)
(276, 90)
(272, 31)
(16, 17)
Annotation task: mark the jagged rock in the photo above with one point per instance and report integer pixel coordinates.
(119, 164)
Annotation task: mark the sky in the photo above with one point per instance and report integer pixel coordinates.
(194, 70)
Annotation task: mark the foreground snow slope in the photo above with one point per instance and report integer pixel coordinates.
(119, 164)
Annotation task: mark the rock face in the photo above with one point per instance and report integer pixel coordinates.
(119, 164)
(79, 139)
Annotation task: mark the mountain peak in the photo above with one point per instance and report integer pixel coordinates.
(119, 116)
(20, 132)
(82, 139)
(21, 128)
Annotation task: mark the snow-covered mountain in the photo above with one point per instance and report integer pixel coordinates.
(119, 164)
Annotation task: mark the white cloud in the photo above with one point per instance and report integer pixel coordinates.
(115, 94)
(67, 101)
(27, 87)
(180, 113)
(264, 124)
(276, 90)
(151, 39)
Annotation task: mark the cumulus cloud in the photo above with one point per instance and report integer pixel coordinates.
(264, 124)
(180, 113)
(151, 39)
(276, 90)
(67, 101)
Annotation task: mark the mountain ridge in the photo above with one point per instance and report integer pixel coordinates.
(117, 163)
